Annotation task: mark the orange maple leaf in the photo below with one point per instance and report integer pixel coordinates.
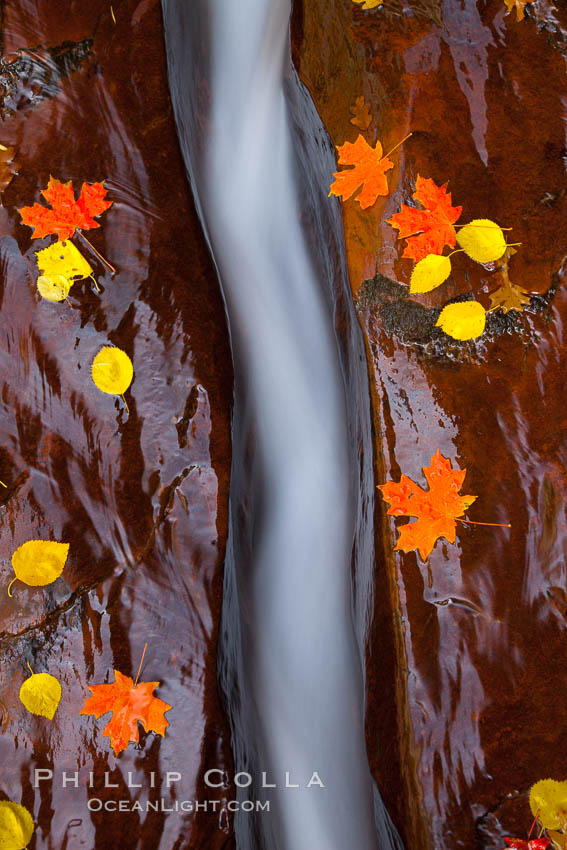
(66, 214)
(436, 509)
(129, 703)
(519, 6)
(427, 231)
(369, 172)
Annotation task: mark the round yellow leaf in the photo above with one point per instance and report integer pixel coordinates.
(112, 370)
(549, 797)
(16, 826)
(54, 288)
(62, 258)
(464, 320)
(483, 240)
(41, 694)
(429, 273)
(39, 562)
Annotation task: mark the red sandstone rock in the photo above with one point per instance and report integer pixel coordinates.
(141, 498)
(469, 646)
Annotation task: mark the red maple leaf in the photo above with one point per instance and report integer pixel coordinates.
(436, 509)
(427, 231)
(66, 214)
(129, 703)
(533, 844)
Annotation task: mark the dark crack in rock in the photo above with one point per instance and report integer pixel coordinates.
(415, 325)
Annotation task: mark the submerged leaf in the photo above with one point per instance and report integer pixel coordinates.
(483, 240)
(430, 273)
(62, 258)
(41, 694)
(8, 166)
(369, 172)
(361, 113)
(130, 704)
(39, 562)
(427, 231)
(530, 844)
(557, 838)
(436, 509)
(508, 296)
(16, 826)
(112, 370)
(54, 288)
(464, 320)
(370, 4)
(548, 801)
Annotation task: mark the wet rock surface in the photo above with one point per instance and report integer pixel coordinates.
(141, 496)
(464, 707)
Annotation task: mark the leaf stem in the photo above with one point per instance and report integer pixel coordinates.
(533, 824)
(396, 146)
(126, 404)
(456, 251)
(10, 594)
(95, 283)
(29, 665)
(4, 485)
(485, 226)
(92, 247)
(141, 662)
(495, 524)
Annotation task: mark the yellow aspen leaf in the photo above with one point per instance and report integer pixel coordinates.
(112, 370)
(430, 273)
(369, 4)
(548, 801)
(41, 694)
(16, 826)
(464, 320)
(483, 240)
(361, 113)
(39, 562)
(54, 288)
(62, 258)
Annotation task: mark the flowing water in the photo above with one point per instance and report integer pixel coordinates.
(290, 662)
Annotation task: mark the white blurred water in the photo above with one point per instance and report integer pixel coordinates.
(306, 675)
(300, 689)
